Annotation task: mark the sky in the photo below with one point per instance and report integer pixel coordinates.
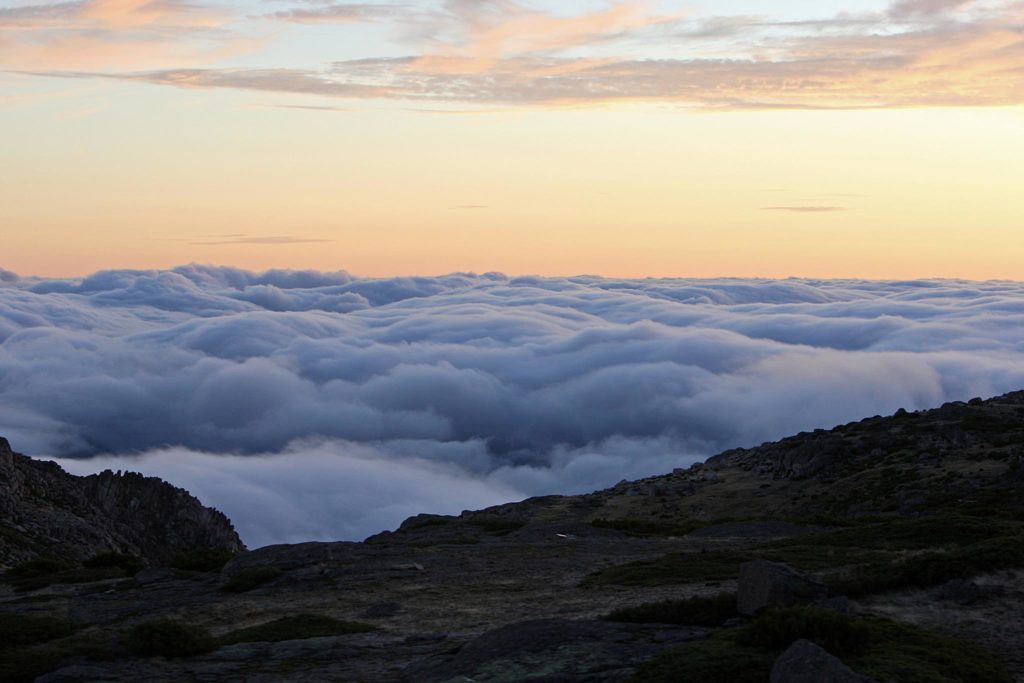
(874, 139)
(314, 405)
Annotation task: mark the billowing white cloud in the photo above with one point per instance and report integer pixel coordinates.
(323, 405)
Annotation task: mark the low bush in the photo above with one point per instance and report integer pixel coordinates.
(168, 638)
(129, 564)
(776, 629)
(248, 579)
(202, 560)
(41, 566)
(296, 627)
(497, 526)
(648, 527)
(885, 650)
(697, 611)
(17, 630)
(680, 567)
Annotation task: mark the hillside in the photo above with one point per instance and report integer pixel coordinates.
(46, 512)
(903, 537)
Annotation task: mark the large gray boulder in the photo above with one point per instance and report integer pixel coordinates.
(805, 662)
(772, 584)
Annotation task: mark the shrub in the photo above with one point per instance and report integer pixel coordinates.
(296, 627)
(28, 629)
(202, 560)
(248, 579)
(929, 569)
(776, 629)
(720, 659)
(885, 650)
(168, 638)
(41, 566)
(697, 611)
(680, 567)
(647, 527)
(129, 564)
(497, 526)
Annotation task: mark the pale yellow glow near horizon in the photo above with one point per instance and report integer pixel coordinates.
(618, 190)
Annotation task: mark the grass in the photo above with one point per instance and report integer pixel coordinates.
(169, 638)
(883, 649)
(296, 627)
(697, 611)
(248, 579)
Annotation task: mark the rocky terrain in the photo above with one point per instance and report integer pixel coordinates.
(46, 512)
(891, 549)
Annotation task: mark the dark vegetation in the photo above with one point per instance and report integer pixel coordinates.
(169, 638)
(47, 571)
(248, 579)
(697, 611)
(648, 527)
(497, 526)
(871, 557)
(295, 627)
(880, 648)
(202, 560)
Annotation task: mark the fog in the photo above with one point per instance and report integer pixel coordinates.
(313, 405)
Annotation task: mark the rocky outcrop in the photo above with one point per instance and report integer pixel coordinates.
(805, 662)
(44, 511)
(765, 584)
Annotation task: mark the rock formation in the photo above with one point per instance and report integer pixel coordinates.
(44, 511)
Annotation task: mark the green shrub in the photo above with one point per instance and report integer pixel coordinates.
(929, 569)
(776, 629)
(697, 611)
(648, 527)
(296, 627)
(168, 638)
(424, 521)
(497, 526)
(680, 567)
(129, 564)
(202, 560)
(27, 629)
(41, 566)
(885, 650)
(248, 579)
(720, 659)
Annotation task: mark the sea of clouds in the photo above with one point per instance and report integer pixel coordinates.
(311, 405)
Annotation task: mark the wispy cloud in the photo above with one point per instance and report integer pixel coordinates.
(804, 209)
(332, 13)
(503, 53)
(271, 240)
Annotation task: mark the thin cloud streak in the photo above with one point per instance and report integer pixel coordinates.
(271, 240)
(805, 209)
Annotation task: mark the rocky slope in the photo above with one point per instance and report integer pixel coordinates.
(900, 541)
(44, 511)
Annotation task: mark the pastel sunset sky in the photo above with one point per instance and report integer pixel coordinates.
(825, 138)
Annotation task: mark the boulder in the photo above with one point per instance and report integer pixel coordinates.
(773, 584)
(805, 662)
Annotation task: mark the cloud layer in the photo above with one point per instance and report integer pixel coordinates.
(323, 405)
(914, 53)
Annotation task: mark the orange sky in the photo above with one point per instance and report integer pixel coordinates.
(618, 138)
